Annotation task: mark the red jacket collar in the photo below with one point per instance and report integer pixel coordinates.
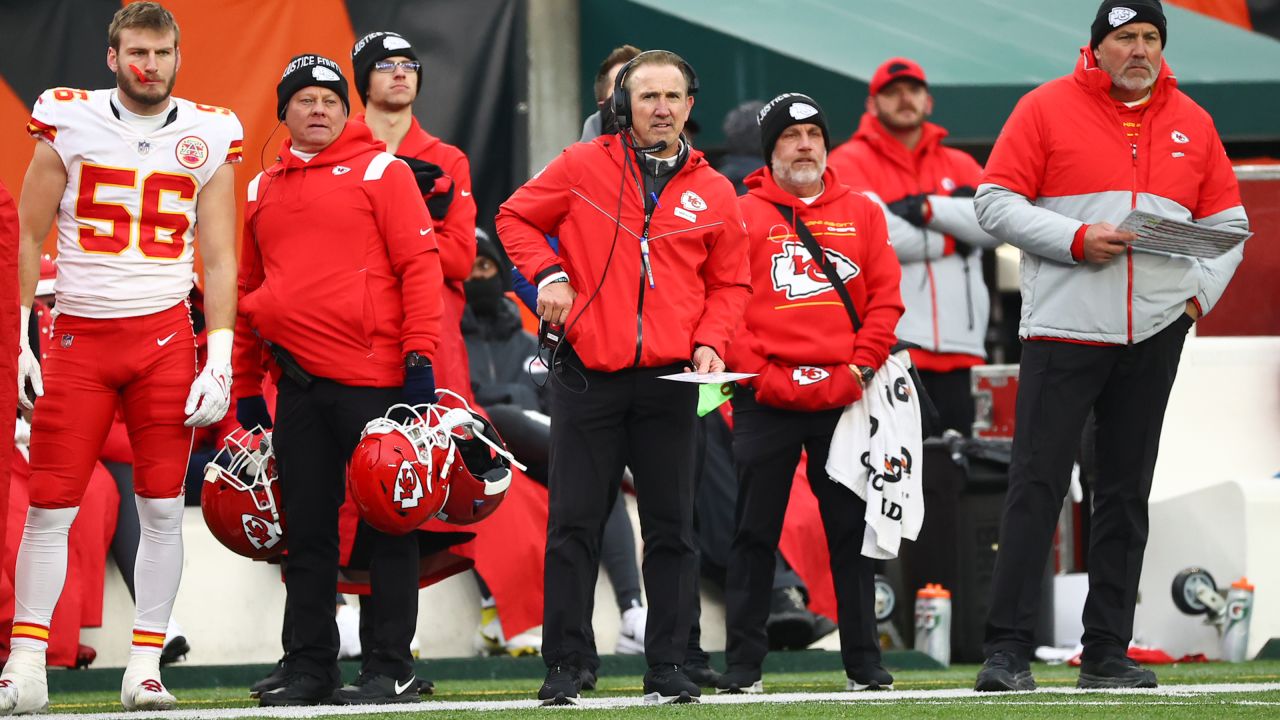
(416, 140)
(613, 146)
(873, 132)
(355, 139)
(1095, 79)
(762, 185)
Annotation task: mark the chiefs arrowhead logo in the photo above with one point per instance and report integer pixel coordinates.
(800, 276)
(808, 375)
(408, 489)
(262, 534)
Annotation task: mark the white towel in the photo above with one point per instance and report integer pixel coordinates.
(876, 453)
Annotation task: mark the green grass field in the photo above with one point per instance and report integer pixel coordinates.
(208, 702)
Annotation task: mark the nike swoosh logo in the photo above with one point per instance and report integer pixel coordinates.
(424, 232)
(161, 343)
(466, 193)
(407, 684)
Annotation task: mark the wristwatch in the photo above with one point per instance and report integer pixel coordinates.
(866, 373)
(416, 360)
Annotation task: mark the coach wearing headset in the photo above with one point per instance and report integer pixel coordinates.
(650, 278)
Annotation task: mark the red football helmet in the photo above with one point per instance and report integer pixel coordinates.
(483, 473)
(240, 498)
(399, 472)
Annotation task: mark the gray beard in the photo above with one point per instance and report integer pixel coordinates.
(799, 178)
(1119, 79)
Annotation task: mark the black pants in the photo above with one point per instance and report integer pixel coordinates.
(952, 395)
(766, 445)
(717, 505)
(315, 432)
(626, 418)
(1127, 387)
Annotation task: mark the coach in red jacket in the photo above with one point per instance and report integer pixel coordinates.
(897, 158)
(650, 277)
(811, 361)
(340, 270)
(1102, 325)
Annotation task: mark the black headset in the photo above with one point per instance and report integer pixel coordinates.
(622, 99)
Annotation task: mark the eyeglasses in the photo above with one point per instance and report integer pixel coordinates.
(386, 66)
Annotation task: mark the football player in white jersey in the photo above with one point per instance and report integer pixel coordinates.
(130, 174)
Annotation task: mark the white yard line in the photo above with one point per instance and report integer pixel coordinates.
(957, 696)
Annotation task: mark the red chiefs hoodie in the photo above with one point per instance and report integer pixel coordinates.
(338, 265)
(796, 332)
(697, 253)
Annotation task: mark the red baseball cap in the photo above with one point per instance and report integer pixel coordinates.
(896, 69)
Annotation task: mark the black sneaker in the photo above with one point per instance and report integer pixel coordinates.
(822, 627)
(701, 674)
(1004, 672)
(278, 677)
(299, 689)
(790, 624)
(175, 650)
(563, 686)
(868, 677)
(736, 681)
(372, 688)
(1114, 671)
(426, 687)
(587, 679)
(667, 684)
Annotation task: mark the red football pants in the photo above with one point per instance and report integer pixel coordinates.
(146, 363)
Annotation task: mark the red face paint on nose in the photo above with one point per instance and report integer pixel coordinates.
(142, 77)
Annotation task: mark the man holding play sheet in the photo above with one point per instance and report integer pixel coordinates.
(1102, 324)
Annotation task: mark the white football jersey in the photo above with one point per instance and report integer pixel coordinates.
(127, 219)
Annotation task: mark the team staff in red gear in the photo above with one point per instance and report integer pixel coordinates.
(810, 362)
(650, 277)
(341, 288)
(897, 157)
(388, 78)
(1102, 326)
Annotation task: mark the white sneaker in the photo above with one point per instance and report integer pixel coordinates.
(348, 617)
(631, 634)
(526, 643)
(489, 639)
(24, 688)
(141, 688)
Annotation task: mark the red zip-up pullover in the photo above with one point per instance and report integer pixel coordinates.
(328, 247)
(698, 254)
(796, 332)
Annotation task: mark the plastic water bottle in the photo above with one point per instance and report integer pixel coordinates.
(933, 622)
(1235, 629)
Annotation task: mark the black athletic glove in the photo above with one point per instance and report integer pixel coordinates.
(436, 187)
(419, 385)
(963, 248)
(252, 412)
(910, 208)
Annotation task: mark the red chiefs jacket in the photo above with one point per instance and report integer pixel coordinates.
(456, 239)
(698, 254)
(1064, 160)
(796, 332)
(946, 300)
(338, 265)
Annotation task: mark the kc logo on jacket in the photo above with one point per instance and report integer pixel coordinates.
(799, 276)
(408, 490)
(808, 375)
